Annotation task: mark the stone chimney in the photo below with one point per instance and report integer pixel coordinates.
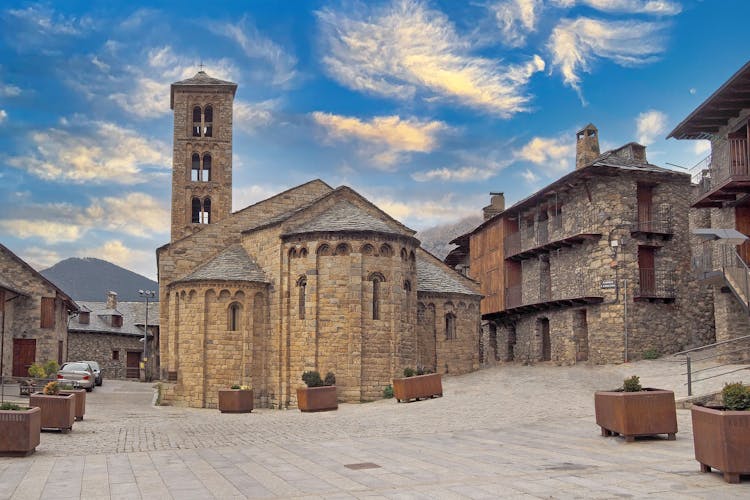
(587, 145)
(632, 151)
(497, 205)
(111, 300)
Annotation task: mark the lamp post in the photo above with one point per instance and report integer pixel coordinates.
(147, 294)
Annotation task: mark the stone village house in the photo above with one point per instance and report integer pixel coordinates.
(34, 315)
(111, 333)
(313, 278)
(593, 267)
(721, 206)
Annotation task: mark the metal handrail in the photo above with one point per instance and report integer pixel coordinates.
(689, 360)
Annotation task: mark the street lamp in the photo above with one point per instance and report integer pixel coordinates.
(147, 294)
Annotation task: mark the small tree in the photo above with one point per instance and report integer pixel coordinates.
(632, 384)
(36, 370)
(50, 368)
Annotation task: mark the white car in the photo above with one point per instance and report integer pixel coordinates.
(77, 374)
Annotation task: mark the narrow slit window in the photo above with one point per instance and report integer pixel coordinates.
(206, 167)
(302, 283)
(196, 217)
(375, 298)
(234, 317)
(196, 121)
(450, 326)
(195, 169)
(208, 121)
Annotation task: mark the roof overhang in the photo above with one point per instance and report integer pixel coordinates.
(731, 236)
(723, 105)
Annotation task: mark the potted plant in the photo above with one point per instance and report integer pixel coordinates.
(319, 395)
(636, 411)
(80, 399)
(58, 410)
(19, 429)
(419, 384)
(236, 399)
(721, 434)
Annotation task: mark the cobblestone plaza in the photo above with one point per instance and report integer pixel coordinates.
(488, 437)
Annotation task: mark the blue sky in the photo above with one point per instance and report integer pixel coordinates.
(422, 106)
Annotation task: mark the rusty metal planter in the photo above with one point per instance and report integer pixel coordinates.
(722, 440)
(317, 398)
(80, 401)
(19, 432)
(58, 412)
(644, 413)
(418, 387)
(235, 400)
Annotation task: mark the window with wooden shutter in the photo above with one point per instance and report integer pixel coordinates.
(48, 312)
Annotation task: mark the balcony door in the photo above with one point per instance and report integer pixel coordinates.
(645, 195)
(742, 224)
(646, 270)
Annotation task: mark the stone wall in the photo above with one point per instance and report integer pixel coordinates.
(24, 313)
(100, 347)
(626, 318)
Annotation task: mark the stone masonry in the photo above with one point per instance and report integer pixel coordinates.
(313, 278)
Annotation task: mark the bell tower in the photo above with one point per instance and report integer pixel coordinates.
(201, 152)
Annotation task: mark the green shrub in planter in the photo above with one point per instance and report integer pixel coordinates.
(736, 397)
(632, 384)
(312, 379)
(651, 354)
(408, 372)
(37, 371)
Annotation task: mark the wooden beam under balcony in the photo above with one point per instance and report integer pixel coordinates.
(726, 191)
(568, 241)
(549, 305)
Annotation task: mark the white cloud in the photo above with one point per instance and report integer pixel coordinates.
(702, 147)
(49, 231)
(553, 154)
(257, 46)
(650, 125)
(406, 49)
(391, 135)
(46, 22)
(107, 153)
(516, 18)
(576, 43)
(460, 174)
(245, 196)
(529, 176)
(3, 116)
(653, 7)
(41, 258)
(428, 213)
(250, 116)
(7, 90)
(140, 261)
(136, 214)
(147, 94)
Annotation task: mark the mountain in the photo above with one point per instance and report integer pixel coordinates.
(435, 239)
(91, 279)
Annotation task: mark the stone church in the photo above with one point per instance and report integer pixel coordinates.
(314, 278)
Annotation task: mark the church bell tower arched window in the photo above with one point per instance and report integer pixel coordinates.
(202, 163)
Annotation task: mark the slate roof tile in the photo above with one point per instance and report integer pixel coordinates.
(435, 277)
(233, 264)
(344, 216)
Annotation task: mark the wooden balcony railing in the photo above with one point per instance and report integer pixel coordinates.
(544, 232)
(580, 287)
(726, 169)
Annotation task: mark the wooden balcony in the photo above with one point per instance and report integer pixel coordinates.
(584, 289)
(548, 235)
(727, 176)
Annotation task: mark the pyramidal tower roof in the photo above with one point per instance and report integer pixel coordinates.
(201, 82)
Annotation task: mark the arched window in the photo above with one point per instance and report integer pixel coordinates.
(196, 211)
(195, 169)
(367, 249)
(324, 250)
(206, 167)
(376, 279)
(197, 121)
(206, 213)
(233, 321)
(407, 286)
(208, 121)
(342, 249)
(302, 284)
(386, 250)
(450, 326)
(404, 254)
(303, 253)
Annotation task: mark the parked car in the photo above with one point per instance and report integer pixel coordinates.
(97, 371)
(77, 374)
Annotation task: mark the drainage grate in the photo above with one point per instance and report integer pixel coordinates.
(363, 465)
